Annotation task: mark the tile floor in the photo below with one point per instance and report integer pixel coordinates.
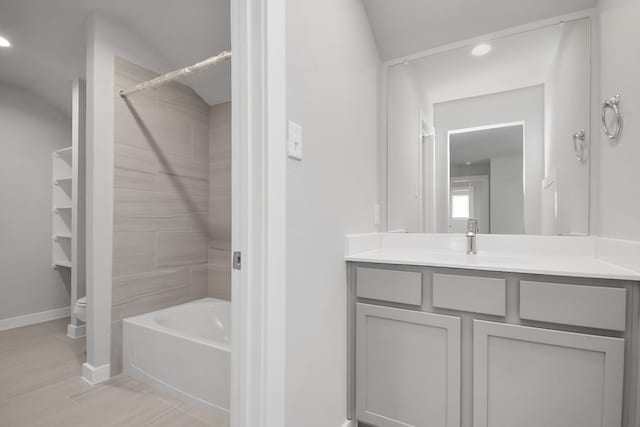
(40, 385)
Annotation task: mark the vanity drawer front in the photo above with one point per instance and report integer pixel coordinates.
(403, 287)
(484, 295)
(578, 305)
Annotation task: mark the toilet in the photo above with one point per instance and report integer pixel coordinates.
(80, 309)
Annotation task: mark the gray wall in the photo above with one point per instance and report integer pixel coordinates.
(332, 74)
(507, 202)
(475, 169)
(30, 130)
(567, 93)
(161, 200)
(618, 204)
(407, 102)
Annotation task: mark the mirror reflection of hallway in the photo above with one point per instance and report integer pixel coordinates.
(486, 178)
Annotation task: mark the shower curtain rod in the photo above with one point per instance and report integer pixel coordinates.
(202, 65)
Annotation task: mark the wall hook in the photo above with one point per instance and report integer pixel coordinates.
(578, 144)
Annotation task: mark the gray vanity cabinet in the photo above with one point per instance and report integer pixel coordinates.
(433, 347)
(408, 367)
(532, 377)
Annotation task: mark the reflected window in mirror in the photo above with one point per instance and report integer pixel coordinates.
(461, 203)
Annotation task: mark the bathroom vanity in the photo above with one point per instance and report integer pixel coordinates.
(540, 328)
(544, 335)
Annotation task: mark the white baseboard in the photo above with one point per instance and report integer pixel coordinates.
(32, 319)
(74, 331)
(96, 375)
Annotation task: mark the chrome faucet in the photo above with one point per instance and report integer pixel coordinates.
(472, 230)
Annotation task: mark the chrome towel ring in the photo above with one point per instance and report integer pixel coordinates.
(612, 103)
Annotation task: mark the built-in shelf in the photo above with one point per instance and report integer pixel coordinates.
(65, 264)
(64, 152)
(63, 207)
(63, 179)
(68, 208)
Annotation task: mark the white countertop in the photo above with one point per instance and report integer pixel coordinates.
(555, 256)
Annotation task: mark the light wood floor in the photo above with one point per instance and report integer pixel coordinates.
(40, 385)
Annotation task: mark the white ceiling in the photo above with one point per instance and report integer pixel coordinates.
(482, 145)
(409, 26)
(48, 40)
(514, 62)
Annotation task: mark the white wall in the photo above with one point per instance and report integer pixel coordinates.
(618, 207)
(105, 40)
(567, 97)
(332, 70)
(507, 203)
(516, 61)
(30, 130)
(475, 169)
(518, 105)
(406, 101)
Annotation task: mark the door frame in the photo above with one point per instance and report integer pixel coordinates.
(258, 212)
(427, 134)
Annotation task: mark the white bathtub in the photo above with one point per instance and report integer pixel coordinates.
(184, 351)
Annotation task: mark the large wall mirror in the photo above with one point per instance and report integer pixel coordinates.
(497, 131)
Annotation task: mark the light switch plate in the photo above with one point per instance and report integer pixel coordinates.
(294, 143)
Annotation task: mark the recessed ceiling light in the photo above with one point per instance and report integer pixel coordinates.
(481, 49)
(4, 42)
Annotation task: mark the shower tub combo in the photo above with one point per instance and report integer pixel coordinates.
(184, 351)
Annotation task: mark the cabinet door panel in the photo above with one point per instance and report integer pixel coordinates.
(531, 377)
(408, 368)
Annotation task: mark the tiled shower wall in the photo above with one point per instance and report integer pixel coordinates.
(163, 231)
(220, 201)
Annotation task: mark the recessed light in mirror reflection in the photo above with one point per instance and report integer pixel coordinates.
(4, 42)
(481, 49)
